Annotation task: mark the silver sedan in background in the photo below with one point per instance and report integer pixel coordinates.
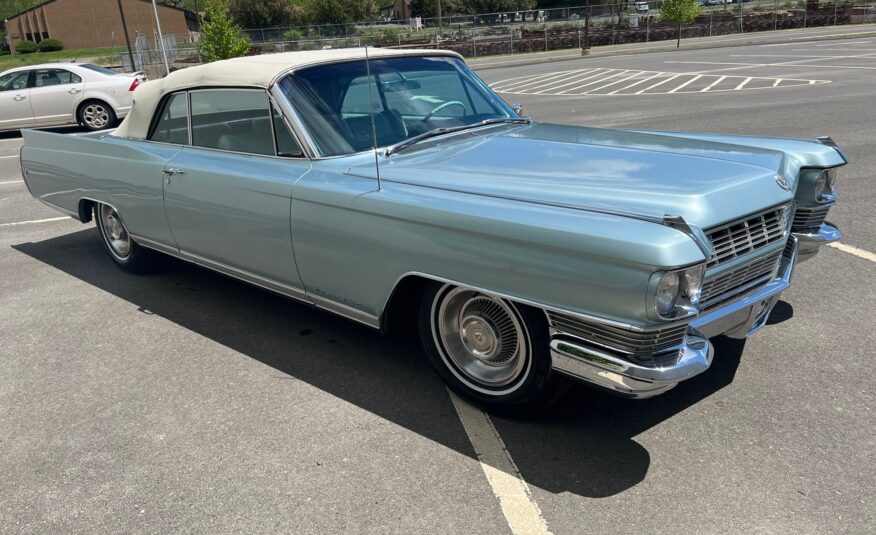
(56, 94)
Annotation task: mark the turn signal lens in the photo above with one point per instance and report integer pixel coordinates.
(824, 185)
(667, 293)
(693, 284)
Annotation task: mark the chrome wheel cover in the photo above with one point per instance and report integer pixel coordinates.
(114, 232)
(481, 338)
(95, 116)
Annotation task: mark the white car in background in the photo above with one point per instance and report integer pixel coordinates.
(55, 94)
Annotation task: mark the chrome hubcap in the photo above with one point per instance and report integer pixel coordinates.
(481, 337)
(95, 116)
(114, 232)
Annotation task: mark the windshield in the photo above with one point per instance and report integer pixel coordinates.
(101, 70)
(409, 96)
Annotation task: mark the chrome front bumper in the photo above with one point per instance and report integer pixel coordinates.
(811, 242)
(743, 317)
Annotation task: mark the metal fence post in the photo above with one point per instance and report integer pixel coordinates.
(835, 5)
(805, 12)
(511, 30)
(775, 14)
(545, 34)
(710, 22)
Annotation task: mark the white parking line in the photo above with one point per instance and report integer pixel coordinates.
(11, 156)
(722, 78)
(861, 253)
(658, 84)
(11, 182)
(515, 499)
(575, 79)
(35, 221)
(692, 80)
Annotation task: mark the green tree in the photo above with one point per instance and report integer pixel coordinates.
(339, 11)
(220, 36)
(429, 8)
(499, 6)
(680, 12)
(264, 13)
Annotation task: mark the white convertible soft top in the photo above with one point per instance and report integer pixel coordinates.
(249, 71)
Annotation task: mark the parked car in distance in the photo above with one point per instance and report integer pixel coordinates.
(57, 94)
(401, 192)
(642, 7)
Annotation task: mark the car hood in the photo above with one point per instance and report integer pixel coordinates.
(648, 174)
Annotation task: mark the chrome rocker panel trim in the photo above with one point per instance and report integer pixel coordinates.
(262, 282)
(811, 242)
(741, 318)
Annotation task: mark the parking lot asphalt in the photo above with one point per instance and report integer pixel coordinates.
(184, 401)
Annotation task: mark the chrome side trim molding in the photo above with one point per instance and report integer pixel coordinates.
(158, 246)
(523, 301)
(346, 311)
(244, 275)
(286, 290)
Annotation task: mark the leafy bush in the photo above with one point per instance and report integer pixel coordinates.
(26, 47)
(50, 45)
(220, 36)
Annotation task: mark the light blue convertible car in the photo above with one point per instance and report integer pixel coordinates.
(399, 187)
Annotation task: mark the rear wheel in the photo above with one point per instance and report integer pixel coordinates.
(96, 115)
(124, 251)
(489, 350)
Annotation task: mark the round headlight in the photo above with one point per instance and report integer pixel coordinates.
(667, 293)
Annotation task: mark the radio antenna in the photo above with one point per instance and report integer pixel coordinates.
(371, 114)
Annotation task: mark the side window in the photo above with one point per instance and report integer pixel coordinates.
(47, 77)
(237, 120)
(14, 81)
(286, 144)
(172, 125)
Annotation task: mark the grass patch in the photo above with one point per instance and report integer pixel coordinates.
(97, 55)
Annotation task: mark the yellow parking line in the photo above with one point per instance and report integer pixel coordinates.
(515, 499)
(860, 253)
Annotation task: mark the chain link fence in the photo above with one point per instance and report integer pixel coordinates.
(610, 22)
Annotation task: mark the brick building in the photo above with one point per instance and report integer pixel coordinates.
(96, 23)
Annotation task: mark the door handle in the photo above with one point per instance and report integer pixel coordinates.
(170, 171)
(18, 98)
(74, 91)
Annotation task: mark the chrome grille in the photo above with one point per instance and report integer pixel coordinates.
(748, 234)
(723, 287)
(630, 343)
(808, 217)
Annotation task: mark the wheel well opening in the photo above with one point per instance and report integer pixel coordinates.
(402, 309)
(86, 208)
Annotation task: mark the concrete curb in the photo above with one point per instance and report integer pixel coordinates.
(701, 43)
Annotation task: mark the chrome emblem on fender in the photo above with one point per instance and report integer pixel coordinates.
(783, 182)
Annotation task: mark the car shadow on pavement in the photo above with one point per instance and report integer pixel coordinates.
(584, 446)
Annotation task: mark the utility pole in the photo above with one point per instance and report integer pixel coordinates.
(198, 15)
(127, 38)
(160, 37)
(440, 29)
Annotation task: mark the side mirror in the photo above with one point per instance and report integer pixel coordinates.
(518, 108)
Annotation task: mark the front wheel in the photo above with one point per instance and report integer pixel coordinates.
(489, 350)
